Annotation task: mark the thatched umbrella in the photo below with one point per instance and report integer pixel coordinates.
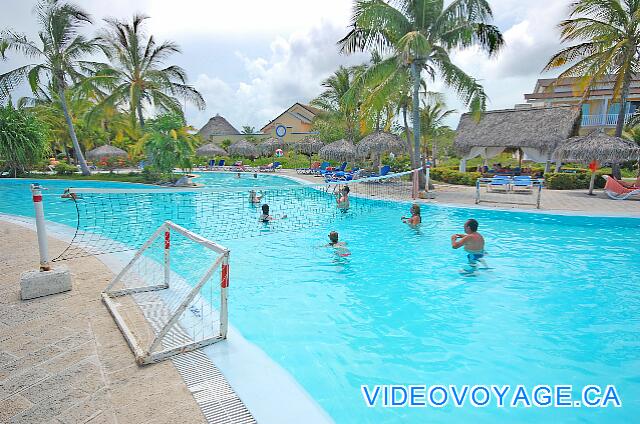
(243, 148)
(106, 151)
(379, 142)
(210, 149)
(597, 146)
(341, 150)
(309, 146)
(269, 147)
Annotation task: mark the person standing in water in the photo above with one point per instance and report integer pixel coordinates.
(415, 217)
(342, 198)
(472, 241)
(339, 246)
(254, 198)
(265, 217)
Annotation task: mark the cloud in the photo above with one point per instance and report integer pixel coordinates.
(292, 72)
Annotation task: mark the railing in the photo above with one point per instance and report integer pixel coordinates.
(603, 120)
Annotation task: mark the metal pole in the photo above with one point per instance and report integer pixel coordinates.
(41, 229)
(224, 288)
(167, 259)
(539, 194)
(477, 191)
(426, 188)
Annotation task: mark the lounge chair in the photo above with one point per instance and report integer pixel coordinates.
(329, 171)
(271, 167)
(617, 191)
(314, 166)
(211, 164)
(383, 171)
(323, 166)
(341, 176)
(500, 183)
(522, 183)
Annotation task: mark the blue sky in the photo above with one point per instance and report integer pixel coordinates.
(252, 59)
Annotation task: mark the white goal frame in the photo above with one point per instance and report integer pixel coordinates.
(153, 352)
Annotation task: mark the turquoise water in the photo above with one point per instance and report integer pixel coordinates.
(560, 305)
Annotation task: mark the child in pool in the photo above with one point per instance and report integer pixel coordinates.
(342, 199)
(473, 244)
(339, 246)
(254, 198)
(265, 217)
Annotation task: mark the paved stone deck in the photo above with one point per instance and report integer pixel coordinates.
(564, 201)
(62, 358)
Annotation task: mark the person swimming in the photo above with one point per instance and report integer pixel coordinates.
(473, 243)
(255, 198)
(68, 195)
(339, 246)
(342, 199)
(415, 217)
(266, 217)
(238, 175)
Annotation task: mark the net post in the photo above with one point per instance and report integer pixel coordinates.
(167, 255)
(428, 177)
(224, 288)
(539, 194)
(41, 229)
(477, 191)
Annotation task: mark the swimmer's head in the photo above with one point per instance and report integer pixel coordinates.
(265, 209)
(415, 209)
(346, 189)
(252, 193)
(471, 226)
(333, 236)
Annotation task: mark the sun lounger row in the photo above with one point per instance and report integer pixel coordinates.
(240, 167)
(506, 183)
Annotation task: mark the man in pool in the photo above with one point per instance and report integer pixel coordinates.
(472, 241)
(339, 246)
(415, 217)
(265, 217)
(254, 198)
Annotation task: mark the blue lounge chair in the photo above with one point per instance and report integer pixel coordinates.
(383, 171)
(522, 183)
(212, 163)
(323, 166)
(500, 183)
(332, 171)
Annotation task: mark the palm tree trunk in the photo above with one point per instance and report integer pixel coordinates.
(416, 121)
(72, 132)
(615, 167)
(407, 132)
(140, 117)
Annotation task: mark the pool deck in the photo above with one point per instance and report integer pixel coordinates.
(552, 201)
(62, 358)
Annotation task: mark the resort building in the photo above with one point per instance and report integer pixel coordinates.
(598, 111)
(293, 124)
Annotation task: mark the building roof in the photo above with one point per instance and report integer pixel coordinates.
(540, 128)
(550, 88)
(598, 145)
(313, 112)
(217, 125)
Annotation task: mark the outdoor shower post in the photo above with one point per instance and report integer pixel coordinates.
(41, 229)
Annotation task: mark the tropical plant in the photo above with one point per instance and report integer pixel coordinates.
(168, 142)
(246, 129)
(334, 101)
(432, 115)
(417, 35)
(138, 77)
(60, 58)
(607, 35)
(23, 139)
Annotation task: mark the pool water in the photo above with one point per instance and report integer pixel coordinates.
(560, 304)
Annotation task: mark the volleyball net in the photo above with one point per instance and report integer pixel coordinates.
(118, 220)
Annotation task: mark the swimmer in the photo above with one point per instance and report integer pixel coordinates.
(342, 198)
(238, 175)
(340, 246)
(255, 175)
(68, 195)
(415, 218)
(473, 243)
(254, 198)
(265, 217)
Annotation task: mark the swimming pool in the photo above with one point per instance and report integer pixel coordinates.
(560, 305)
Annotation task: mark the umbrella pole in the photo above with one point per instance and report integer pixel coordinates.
(592, 183)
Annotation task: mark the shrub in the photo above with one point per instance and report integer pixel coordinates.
(23, 139)
(579, 180)
(63, 168)
(450, 176)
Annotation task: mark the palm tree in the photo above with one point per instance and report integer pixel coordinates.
(333, 99)
(248, 129)
(60, 58)
(608, 36)
(432, 116)
(139, 77)
(418, 36)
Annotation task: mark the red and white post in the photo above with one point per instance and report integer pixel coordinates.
(224, 288)
(167, 256)
(41, 229)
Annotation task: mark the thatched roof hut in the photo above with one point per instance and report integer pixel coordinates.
(536, 131)
(217, 125)
(210, 149)
(269, 147)
(341, 150)
(308, 145)
(599, 146)
(106, 151)
(243, 148)
(379, 142)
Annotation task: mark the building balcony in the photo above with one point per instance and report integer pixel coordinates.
(609, 120)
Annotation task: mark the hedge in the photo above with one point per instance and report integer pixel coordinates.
(454, 177)
(579, 180)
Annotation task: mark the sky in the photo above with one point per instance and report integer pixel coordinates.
(252, 59)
